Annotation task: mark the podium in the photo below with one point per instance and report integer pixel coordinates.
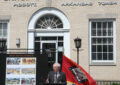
(42, 69)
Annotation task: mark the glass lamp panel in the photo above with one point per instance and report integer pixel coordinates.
(93, 56)
(4, 29)
(0, 29)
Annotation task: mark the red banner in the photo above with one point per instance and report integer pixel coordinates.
(75, 74)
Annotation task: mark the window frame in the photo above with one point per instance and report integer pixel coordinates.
(103, 62)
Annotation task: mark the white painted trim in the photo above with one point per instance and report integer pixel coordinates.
(49, 34)
(31, 41)
(8, 36)
(67, 44)
(90, 41)
(48, 30)
(114, 40)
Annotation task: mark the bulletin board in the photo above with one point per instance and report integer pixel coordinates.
(20, 71)
(23, 69)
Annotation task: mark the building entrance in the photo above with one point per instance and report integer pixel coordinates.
(52, 46)
(48, 32)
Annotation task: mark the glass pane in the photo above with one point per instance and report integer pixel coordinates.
(110, 56)
(99, 33)
(0, 29)
(49, 38)
(50, 49)
(4, 29)
(37, 38)
(104, 48)
(110, 48)
(110, 33)
(60, 38)
(104, 25)
(99, 48)
(104, 40)
(110, 25)
(49, 22)
(93, 56)
(110, 40)
(93, 48)
(60, 54)
(94, 40)
(99, 56)
(104, 56)
(99, 40)
(93, 32)
(104, 33)
(99, 25)
(60, 43)
(37, 47)
(93, 25)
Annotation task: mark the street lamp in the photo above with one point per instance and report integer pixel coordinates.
(77, 45)
(2, 45)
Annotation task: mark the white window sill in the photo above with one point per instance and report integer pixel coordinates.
(102, 64)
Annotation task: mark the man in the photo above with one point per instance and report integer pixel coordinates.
(55, 76)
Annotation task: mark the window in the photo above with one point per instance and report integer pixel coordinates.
(49, 21)
(102, 40)
(3, 34)
(3, 29)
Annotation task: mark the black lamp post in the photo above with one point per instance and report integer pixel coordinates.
(2, 45)
(77, 45)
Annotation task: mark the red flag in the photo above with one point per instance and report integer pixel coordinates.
(76, 74)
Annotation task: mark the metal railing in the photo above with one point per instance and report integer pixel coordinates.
(25, 51)
(107, 82)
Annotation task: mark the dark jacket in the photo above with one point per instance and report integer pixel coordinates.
(61, 79)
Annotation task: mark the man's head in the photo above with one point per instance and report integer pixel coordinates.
(56, 67)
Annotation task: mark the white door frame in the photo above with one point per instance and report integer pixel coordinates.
(66, 40)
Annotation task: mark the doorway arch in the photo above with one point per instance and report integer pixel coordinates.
(33, 32)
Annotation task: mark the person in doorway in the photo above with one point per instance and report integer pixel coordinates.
(56, 76)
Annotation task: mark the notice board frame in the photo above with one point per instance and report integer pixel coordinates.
(3, 58)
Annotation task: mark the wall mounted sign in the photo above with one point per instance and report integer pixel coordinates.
(23, 3)
(107, 3)
(33, 3)
(77, 4)
(103, 3)
(21, 0)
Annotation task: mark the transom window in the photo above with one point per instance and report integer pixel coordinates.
(102, 38)
(49, 21)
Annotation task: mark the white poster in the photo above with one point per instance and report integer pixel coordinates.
(21, 71)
